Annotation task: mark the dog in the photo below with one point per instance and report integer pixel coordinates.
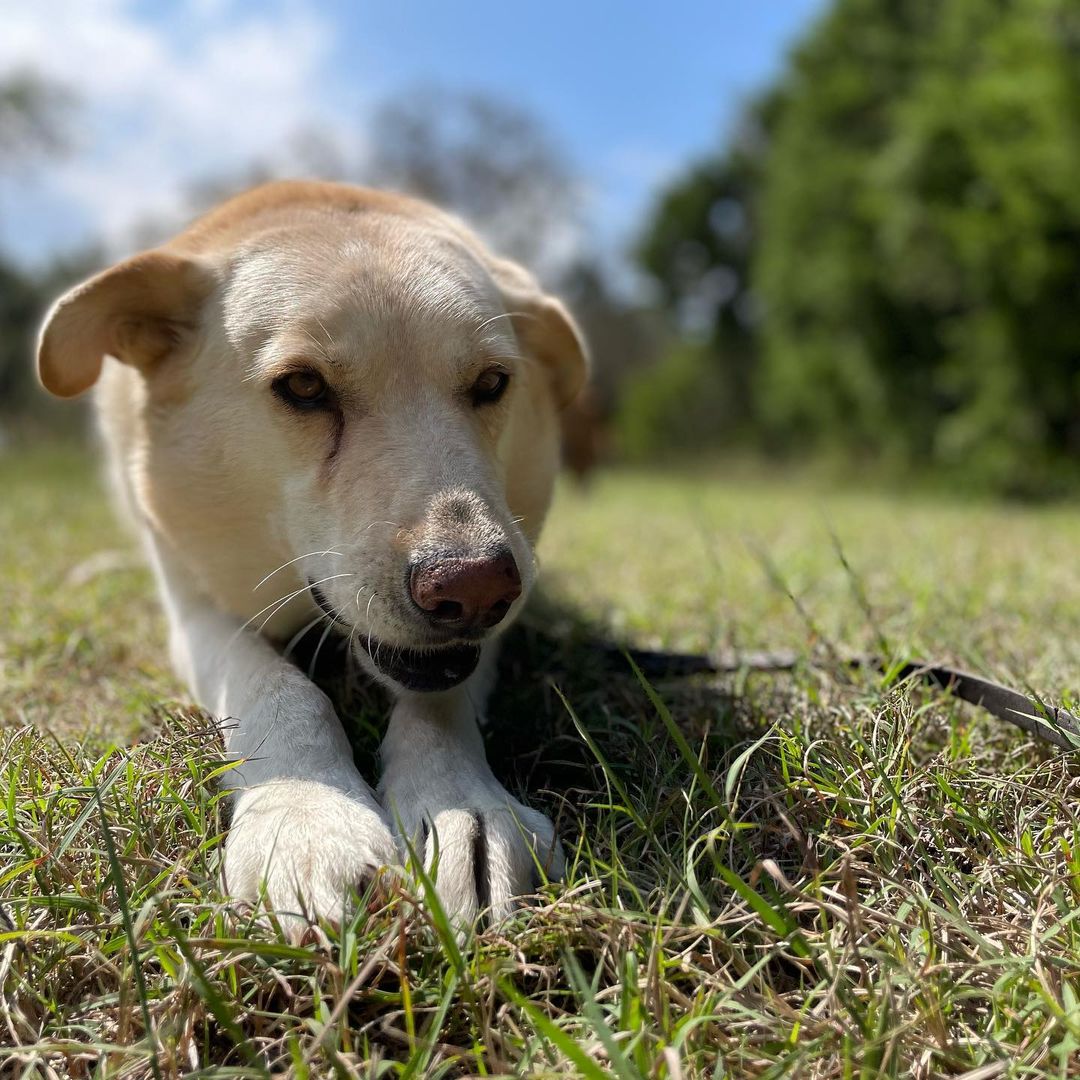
(324, 402)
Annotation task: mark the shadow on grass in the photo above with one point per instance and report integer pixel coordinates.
(556, 665)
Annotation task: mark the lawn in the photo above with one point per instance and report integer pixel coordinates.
(815, 875)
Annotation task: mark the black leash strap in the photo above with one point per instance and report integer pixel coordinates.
(1051, 723)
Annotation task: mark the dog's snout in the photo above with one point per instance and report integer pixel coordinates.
(461, 593)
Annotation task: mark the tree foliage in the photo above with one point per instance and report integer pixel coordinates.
(32, 113)
(698, 247)
(921, 264)
(915, 256)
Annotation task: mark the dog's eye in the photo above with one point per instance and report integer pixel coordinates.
(490, 385)
(304, 388)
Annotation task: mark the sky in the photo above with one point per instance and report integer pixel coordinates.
(170, 94)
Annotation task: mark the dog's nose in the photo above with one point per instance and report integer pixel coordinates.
(458, 593)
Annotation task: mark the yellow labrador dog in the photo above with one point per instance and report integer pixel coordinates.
(325, 401)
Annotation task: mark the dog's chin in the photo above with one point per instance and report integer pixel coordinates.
(423, 670)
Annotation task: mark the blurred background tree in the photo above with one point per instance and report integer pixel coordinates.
(921, 258)
(698, 246)
(491, 162)
(33, 125)
(32, 118)
(902, 231)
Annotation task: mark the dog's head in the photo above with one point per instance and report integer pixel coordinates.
(343, 393)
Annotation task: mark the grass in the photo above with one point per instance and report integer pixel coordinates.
(821, 875)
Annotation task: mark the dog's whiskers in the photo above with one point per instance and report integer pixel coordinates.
(349, 642)
(322, 327)
(307, 555)
(299, 635)
(367, 616)
(278, 604)
(315, 341)
(504, 315)
(318, 648)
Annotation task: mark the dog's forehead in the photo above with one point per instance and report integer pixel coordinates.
(356, 293)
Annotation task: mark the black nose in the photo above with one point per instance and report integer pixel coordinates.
(461, 593)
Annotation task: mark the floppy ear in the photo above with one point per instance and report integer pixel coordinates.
(140, 311)
(545, 329)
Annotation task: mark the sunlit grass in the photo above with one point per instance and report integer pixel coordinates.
(813, 876)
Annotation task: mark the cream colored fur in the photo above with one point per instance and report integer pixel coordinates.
(243, 501)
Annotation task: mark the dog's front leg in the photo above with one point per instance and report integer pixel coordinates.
(306, 828)
(485, 846)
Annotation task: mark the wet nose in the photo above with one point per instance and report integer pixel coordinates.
(458, 593)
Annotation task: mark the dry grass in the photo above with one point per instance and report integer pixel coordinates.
(817, 876)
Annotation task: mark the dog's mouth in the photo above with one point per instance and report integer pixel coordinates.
(440, 667)
(426, 670)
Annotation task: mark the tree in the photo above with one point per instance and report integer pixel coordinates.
(32, 117)
(32, 114)
(489, 161)
(697, 246)
(903, 235)
(920, 253)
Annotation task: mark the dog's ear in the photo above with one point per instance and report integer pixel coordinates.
(545, 329)
(140, 311)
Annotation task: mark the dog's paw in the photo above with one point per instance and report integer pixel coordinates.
(483, 847)
(305, 848)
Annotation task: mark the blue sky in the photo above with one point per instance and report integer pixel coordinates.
(173, 93)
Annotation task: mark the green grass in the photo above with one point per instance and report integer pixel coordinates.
(819, 875)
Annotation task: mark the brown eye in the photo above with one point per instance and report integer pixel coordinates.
(489, 386)
(302, 388)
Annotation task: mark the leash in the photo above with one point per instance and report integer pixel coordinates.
(1051, 723)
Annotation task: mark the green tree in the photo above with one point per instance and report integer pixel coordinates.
(697, 246)
(919, 261)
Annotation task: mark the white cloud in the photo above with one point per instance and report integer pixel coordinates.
(194, 92)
